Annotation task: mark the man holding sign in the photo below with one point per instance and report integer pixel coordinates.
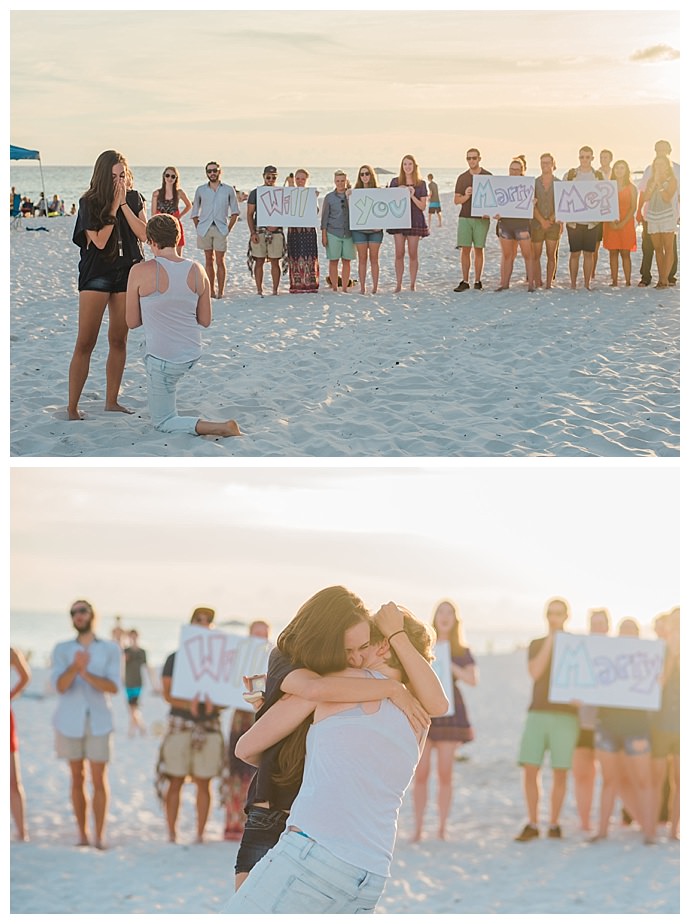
(193, 745)
(583, 236)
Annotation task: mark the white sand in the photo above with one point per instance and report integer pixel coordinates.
(426, 373)
(479, 869)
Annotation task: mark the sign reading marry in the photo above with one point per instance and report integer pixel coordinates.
(378, 209)
(507, 196)
(211, 662)
(442, 665)
(607, 671)
(589, 200)
(286, 207)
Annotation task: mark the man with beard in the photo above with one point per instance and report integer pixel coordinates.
(85, 671)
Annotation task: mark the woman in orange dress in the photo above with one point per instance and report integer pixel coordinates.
(620, 237)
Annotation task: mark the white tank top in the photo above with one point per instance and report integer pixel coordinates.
(356, 772)
(171, 329)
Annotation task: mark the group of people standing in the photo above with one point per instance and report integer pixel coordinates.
(636, 750)
(171, 297)
(655, 205)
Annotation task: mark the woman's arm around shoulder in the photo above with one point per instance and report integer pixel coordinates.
(275, 724)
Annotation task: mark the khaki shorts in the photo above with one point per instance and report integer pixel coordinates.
(179, 758)
(88, 747)
(214, 239)
(273, 250)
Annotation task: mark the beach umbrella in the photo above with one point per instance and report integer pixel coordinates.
(17, 153)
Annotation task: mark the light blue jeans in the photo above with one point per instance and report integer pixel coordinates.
(298, 876)
(162, 378)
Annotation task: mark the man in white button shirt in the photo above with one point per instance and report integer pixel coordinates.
(212, 202)
(85, 671)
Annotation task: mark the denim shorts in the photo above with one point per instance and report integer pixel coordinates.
(115, 281)
(612, 741)
(262, 830)
(300, 876)
(367, 237)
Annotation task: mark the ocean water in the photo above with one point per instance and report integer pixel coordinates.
(70, 182)
(36, 633)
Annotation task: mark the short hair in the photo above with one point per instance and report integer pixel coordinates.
(163, 230)
(429, 176)
(586, 147)
(339, 173)
(548, 154)
(476, 151)
(302, 170)
(204, 611)
(606, 151)
(212, 163)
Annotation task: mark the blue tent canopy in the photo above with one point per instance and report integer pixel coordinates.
(23, 153)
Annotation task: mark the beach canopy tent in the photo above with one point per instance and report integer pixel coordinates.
(27, 154)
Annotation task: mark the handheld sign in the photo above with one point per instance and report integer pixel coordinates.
(602, 670)
(442, 666)
(507, 196)
(379, 209)
(211, 662)
(586, 201)
(286, 207)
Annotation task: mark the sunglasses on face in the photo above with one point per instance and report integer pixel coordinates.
(171, 176)
(365, 173)
(78, 610)
(270, 176)
(472, 158)
(213, 170)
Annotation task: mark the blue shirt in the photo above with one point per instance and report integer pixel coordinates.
(81, 700)
(211, 207)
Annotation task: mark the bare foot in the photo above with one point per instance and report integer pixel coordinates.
(218, 428)
(75, 415)
(100, 845)
(83, 842)
(398, 289)
(416, 837)
(596, 838)
(118, 407)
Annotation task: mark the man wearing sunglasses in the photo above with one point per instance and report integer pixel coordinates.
(212, 203)
(265, 242)
(86, 670)
(472, 230)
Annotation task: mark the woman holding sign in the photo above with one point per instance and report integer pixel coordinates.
(514, 233)
(368, 243)
(447, 731)
(409, 177)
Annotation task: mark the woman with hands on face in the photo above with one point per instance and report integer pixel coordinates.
(109, 231)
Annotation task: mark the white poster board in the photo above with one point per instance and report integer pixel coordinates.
(604, 670)
(379, 209)
(211, 662)
(442, 666)
(286, 207)
(586, 201)
(507, 196)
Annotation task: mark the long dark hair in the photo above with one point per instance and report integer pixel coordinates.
(175, 193)
(315, 639)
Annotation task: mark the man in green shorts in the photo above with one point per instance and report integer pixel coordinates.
(472, 232)
(549, 727)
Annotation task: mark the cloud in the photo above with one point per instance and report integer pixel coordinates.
(656, 53)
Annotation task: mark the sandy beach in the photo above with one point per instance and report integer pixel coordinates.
(479, 869)
(427, 373)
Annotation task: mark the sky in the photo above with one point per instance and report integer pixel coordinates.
(322, 88)
(257, 541)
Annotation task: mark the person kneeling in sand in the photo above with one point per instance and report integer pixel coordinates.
(171, 298)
